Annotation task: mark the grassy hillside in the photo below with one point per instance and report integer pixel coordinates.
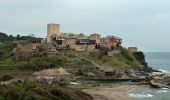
(120, 60)
(6, 56)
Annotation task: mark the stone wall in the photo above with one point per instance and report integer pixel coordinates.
(70, 41)
(84, 47)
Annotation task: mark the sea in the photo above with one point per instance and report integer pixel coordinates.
(160, 61)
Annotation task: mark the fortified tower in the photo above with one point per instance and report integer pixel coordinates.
(53, 30)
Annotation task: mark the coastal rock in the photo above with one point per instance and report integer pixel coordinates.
(157, 75)
(161, 82)
(125, 77)
(158, 84)
(130, 72)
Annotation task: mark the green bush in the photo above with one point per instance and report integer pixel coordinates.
(2, 97)
(135, 64)
(6, 77)
(140, 57)
(63, 83)
(39, 63)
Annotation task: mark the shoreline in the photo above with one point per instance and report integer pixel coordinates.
(114, 92)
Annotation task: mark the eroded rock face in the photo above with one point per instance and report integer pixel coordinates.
(157, 75)
(158, 84)
(130, 72)
(159, 80)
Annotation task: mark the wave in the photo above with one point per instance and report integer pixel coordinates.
(74, 83)
(164, 88)
(162, 91)
(140, 95)
(164, 71)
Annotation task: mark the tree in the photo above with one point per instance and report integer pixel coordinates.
(18, 37)
(3, 37)
(31, 35)
(11, 37)
(7, 77)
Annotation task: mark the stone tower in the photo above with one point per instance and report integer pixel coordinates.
(53, 30)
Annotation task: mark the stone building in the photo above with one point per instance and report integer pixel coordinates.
(96, 37)
(71, 40)
(47, 76)
(113, 41)
(80, 42)
(85, 47)
(50, 49)
(133, 49)
(66, 34)
(53, 30)
(85, 44)
(25, 51)
(64, 38)
(29, 47)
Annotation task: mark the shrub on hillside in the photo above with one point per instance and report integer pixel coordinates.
(127, 54)
(6, 77)
(135, 64)
(32, 90)
(39, 63)
(140, 57)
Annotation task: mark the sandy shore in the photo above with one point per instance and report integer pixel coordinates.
(117, 92)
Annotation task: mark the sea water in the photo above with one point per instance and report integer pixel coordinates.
(160, 61)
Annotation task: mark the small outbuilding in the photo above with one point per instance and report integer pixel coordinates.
(49, 75)
(133, 49)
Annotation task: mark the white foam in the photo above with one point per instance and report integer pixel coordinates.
(74, 83)
(164, 71)
(140, 95)
(162, 91)
(164, 88)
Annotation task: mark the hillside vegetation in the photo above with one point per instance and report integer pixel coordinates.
(7, 44)
(4, 38)
(121, 60)
(32, 90)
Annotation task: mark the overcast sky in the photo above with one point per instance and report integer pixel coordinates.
(141, 23)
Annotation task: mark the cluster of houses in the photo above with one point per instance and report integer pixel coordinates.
(56, 40)
(80, 42)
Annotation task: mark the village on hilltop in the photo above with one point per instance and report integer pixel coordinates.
(56, 40)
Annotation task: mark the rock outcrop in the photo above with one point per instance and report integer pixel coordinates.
(159, 80)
